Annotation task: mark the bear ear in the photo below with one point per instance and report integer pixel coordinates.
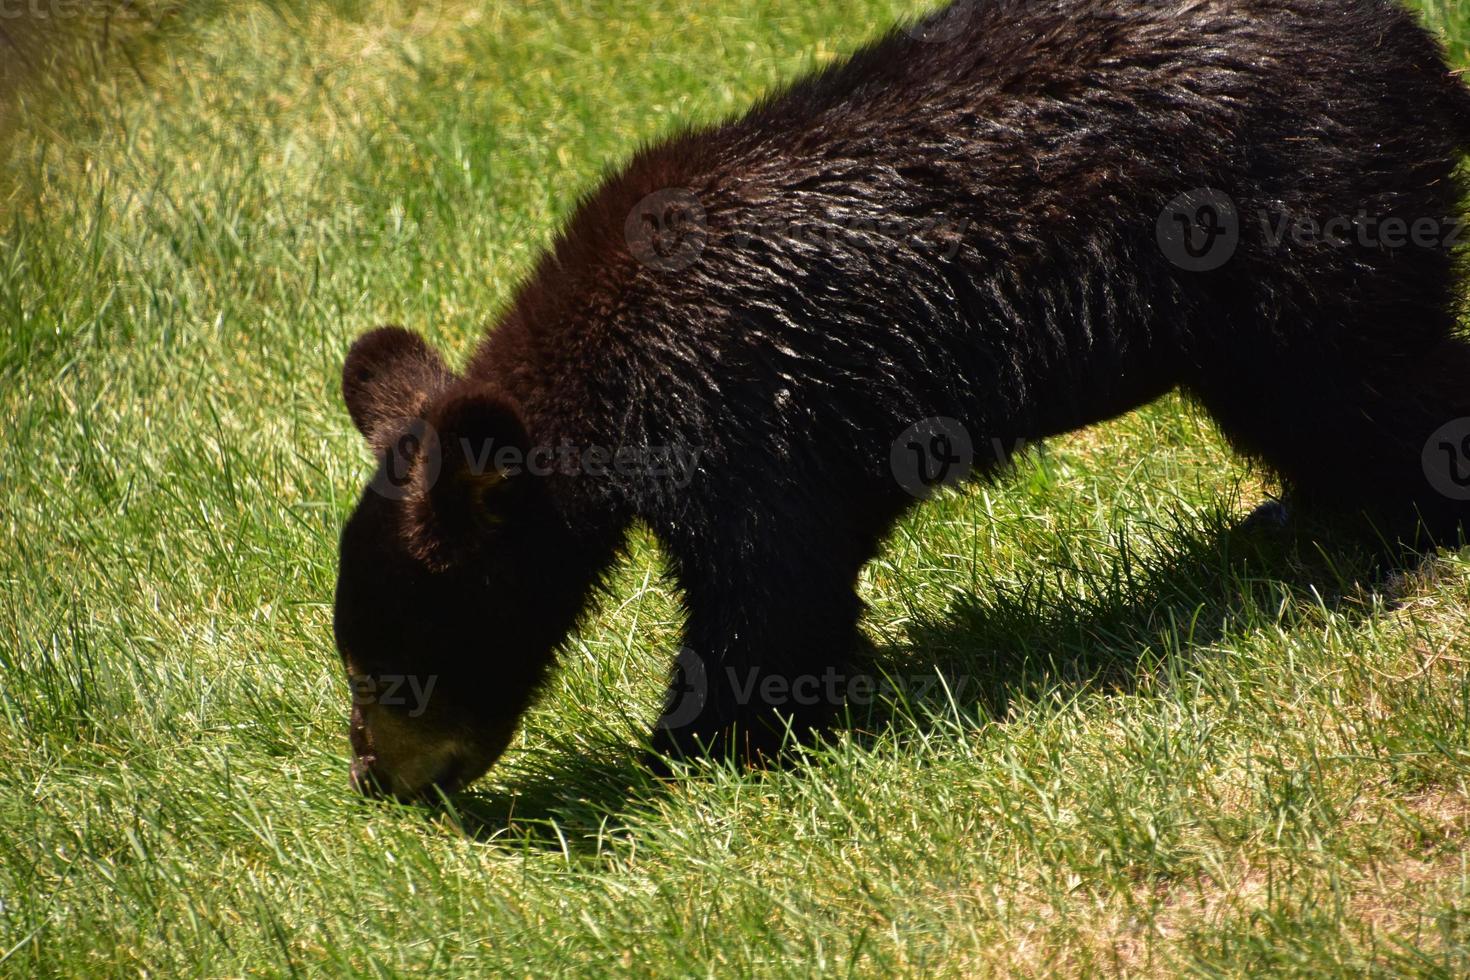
(389, 376)
(473, 479)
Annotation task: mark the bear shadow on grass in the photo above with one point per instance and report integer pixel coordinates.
(1167, 594)
(563, 798)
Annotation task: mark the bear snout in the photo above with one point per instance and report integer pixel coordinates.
(417, 779)
(395, 757)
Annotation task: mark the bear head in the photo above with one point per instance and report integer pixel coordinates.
(453, 588)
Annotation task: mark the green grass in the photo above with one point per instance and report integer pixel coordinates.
(1173, 747)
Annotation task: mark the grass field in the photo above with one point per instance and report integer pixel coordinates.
(1168, 746)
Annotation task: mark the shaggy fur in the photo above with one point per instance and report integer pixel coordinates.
(960, 221)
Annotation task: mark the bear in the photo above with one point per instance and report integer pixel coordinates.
(1001, 222)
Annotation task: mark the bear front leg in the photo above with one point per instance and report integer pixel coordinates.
(764, 666)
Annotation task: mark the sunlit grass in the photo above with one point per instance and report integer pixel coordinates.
(1169, 746)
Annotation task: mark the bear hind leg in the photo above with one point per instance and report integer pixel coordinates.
(1386, 436)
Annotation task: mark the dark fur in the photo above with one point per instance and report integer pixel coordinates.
(1053, 132)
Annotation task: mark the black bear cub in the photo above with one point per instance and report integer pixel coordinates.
(1003, 222)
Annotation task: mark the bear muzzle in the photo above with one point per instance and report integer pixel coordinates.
(394, 757)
